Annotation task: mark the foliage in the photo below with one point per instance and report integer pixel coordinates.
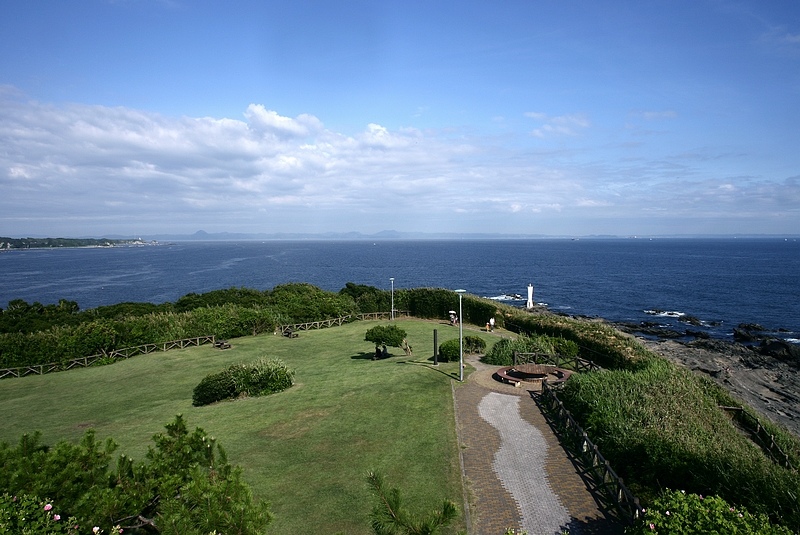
(678, 512)
(368, 298)
(302, 303)
(598, 341)
(502, 353)
(253, 379)
(59, 344)
(244, 297)
(21, 317)
(25, 514)
(186, 486)
(450, 350)
(389, 516)
(658, 428)
(430, 302)
(390, 335)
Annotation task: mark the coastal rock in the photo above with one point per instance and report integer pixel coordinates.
(781, 350)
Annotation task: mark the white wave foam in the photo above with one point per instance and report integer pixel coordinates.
(665, 313)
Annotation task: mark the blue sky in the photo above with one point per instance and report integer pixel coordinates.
(537, 117)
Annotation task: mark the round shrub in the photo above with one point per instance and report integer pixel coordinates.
(449, 350)
(214, 387)
(266, 377)
(257, 378)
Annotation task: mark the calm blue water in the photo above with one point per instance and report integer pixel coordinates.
(723, 282)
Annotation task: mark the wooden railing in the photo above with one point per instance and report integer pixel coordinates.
(338, 322)
(560, 361)
(759, 435)
(609, 487)
(124, 353)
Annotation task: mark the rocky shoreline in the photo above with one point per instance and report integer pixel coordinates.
(760, 370)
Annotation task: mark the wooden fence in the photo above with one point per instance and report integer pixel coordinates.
(124, 353)
(338, 322)
(559, 361)
(759, 435)
(610, 488)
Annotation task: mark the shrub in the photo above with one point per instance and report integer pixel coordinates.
(449, 350)
(254, 379)
(214, 387)
(23, 513)
(502, 353)
(474, 345)
(679, 512)
(368, 298)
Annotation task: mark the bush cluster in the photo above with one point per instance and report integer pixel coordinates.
(679, 512)
(450, 350)
(252, 379)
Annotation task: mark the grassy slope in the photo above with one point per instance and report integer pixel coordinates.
(306, 450)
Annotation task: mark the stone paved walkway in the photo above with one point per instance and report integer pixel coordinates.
(518, 475)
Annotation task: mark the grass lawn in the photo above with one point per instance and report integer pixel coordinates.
(306, 450)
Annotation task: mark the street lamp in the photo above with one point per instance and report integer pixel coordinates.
(460, 337)
(391, 279)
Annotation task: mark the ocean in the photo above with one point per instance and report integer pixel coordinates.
(720, 282)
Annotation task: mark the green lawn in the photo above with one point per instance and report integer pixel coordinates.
(306, 450)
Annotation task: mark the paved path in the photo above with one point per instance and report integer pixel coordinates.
(518, 475)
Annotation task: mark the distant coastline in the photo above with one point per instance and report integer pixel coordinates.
(384, 235)
(9, 244)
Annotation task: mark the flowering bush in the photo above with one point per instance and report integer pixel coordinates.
(678, 512)
(25, 514)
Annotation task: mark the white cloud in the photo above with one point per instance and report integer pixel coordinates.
(561, 125)
(264, 120)
(80, 170)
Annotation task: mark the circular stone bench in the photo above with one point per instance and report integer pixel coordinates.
(533, 374)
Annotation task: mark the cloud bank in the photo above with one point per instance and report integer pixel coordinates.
(80, 169)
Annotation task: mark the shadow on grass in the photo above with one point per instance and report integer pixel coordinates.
(370, 355)
(364, 355)
(428, 363)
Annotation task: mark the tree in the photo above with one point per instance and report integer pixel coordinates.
(389, 517)
(388, 335)
(186, 486)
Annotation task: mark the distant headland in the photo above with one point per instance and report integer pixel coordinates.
(7, 244)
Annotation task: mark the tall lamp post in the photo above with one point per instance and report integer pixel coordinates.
(391, 279)
(460, 337)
